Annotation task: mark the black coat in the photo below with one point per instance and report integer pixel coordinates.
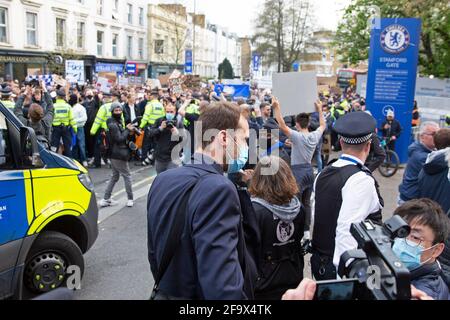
(163, 140)
(127, 112)
(394, 131)
(118, 138)
(377, 154)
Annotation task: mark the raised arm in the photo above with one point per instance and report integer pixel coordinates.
(277, 111)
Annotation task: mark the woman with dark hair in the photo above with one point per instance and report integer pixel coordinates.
(280, 217)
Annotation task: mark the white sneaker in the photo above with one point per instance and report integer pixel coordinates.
(104, 203)
(108, 203)
(130, 203)
(85, 164)
(103, 163)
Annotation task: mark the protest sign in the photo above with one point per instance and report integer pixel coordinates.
(75, 71)
(104, 85)
(176, 82)
(296, 91)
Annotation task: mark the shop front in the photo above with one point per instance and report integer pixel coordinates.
(20, 64)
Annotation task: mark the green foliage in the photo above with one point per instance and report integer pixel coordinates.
(353, 38)
(226, 70)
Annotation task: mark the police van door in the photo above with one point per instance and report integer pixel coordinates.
(15, 187)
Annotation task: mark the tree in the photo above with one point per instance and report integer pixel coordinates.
(226, 70)
(353, 33)
(281, 30)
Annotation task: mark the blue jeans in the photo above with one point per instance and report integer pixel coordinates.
(318, 156)
(79, 150)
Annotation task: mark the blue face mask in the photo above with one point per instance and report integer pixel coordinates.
(409, 253)
(238, 164)
(170, 116)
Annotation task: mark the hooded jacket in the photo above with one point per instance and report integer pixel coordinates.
(428, 278)
(280, 265)
(434, 179)
(417, 153)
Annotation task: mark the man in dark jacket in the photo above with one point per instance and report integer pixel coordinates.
(119, 153)
(131, 110)
(210, 261)
(434, 183)
(92, 104)
(419, 252)
(391, 130)
(166, 135)
(418, 153)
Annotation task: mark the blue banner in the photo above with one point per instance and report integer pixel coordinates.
(393, 60)
(108, 67)
(235, 90)
(256, 60)
(188, 62)
(132, 68)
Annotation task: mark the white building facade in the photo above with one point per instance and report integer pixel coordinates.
(105, 34)
(212, 45)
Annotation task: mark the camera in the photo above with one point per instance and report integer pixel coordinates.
(373, 271)
(33, 83)
(171, 124)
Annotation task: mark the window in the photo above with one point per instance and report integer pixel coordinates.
(60, 32)
(100, 43)
(116, 5)
(141, 16)
(31, 29)
(100, 7)
(130, 13)
(3, 25)
(6, 159)
(129, 46)
(159, 46)
(141, 48)
(81, 26)
(115, 41)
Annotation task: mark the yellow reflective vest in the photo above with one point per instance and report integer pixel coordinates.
(64, 115)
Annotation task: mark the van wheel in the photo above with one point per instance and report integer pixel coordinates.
(48, 260)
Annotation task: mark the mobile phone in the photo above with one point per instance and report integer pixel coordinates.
(336, 290)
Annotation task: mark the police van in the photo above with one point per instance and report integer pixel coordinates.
(48, 213)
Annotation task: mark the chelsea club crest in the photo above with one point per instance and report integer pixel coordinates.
(395, 39)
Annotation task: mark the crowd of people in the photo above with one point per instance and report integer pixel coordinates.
(241, 188)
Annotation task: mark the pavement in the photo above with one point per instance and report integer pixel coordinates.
(117, 267)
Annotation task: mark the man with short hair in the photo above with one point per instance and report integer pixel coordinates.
(418, 153)
(419, 252)
(208, 258)
(266, 111)
(304, 144)
(166, 135)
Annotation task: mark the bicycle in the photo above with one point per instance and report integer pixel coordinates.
(391, 164)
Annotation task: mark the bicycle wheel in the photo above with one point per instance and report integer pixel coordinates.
(390, 165)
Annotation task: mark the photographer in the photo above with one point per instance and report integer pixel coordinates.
(421, 249)
(166, 136)
(119, 153)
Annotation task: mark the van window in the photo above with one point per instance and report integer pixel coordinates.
(6, 159)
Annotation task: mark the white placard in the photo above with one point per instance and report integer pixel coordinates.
(104, 85)
(75, 71)
(296, 91)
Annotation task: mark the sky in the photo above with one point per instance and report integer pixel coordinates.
(239, 15)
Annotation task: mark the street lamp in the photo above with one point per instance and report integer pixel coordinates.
(193, 47)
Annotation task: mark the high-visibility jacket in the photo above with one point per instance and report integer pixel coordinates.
(103, 114)
(8, 104)
(191, 109)
(64, 115)
(154, 110)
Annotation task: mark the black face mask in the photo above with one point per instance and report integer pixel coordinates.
(117, 116)
(90, 97)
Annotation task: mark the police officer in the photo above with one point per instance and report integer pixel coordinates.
(6, 97)
(190, 111)
(100, 125)
(447, 121)
(153, 111)
(345, 193)
(62, 121)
